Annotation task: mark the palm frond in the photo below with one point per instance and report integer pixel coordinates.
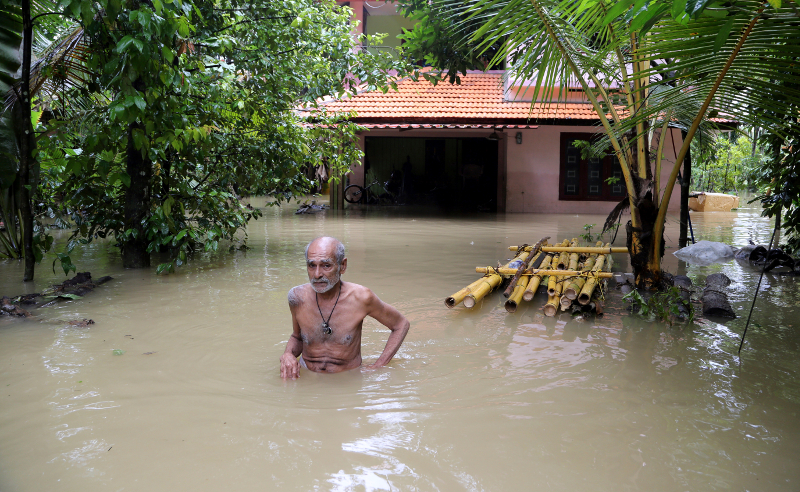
(60, 67)
(761, 81)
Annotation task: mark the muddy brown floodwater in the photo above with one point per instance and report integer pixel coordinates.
(475, 400)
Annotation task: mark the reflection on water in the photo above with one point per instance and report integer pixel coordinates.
(475, 400)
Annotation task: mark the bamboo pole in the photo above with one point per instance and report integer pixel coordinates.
(536, 280)
(563, 258)
(573, 257)
(574, 287)
(588, 288)
(490, 282)
(551, 285)
(551, 308)
(539, 271)
(598, 301)
(531, 260)
(580, 249)
(516, 296)
(459, 296)
(557, 286)
(565, 302)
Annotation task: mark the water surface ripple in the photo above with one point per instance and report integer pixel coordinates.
(476, 400)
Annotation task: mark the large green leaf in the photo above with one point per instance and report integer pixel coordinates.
(9, 161)
(10, 40)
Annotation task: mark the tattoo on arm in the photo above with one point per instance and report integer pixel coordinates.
(293, 297)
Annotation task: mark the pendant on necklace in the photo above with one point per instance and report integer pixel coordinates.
(326, 329)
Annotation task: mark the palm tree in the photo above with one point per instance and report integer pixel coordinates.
(19, 84)
(644, 69)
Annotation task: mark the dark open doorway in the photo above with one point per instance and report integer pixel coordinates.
(444, 172)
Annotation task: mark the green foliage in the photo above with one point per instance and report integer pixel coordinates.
(10, 40)
(726, 163)
(588, 150)
(676, 63)
(638, 302)
(214, 98)
(438, 39)
(587, 236)
(591, 238)
(663, 305)
(779, 180)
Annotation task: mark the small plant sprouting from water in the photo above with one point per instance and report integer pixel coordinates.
(587, 236)
(664, 305)
(590, 238)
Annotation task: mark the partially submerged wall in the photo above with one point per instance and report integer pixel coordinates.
(534, 166)
(529, 171)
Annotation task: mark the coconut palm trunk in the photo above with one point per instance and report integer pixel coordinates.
(25, 184)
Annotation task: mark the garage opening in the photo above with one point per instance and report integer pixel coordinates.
(448, 173)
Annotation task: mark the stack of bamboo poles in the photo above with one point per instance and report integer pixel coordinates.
(571, 274)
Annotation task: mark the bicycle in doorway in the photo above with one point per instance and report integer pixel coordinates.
(391, 192)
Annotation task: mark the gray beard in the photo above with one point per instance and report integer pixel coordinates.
(329, 284)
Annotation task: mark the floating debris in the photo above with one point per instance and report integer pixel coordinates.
(74, 288)
(570, 273)
(311, 208)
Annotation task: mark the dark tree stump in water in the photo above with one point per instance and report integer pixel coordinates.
(714, 299)
(684, 283)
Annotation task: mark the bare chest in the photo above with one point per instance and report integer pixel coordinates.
(341, 327)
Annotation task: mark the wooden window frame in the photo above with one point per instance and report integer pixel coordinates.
(583, 174)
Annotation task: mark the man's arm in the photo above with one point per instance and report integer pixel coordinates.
(290, 368)
(391, 318)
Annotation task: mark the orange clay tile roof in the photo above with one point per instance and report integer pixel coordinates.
(436, 126)
(478, 99)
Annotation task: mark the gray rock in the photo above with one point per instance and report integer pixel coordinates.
(744, 252)
(704, 253)
(715, 299)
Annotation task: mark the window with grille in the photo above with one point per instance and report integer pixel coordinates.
(587, 178)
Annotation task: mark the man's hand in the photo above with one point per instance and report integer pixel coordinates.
(372, 367)
(290, 368)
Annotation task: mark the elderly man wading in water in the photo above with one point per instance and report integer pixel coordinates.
(328, 314)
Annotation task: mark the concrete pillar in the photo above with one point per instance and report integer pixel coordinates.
(358, 16)
(337, 194)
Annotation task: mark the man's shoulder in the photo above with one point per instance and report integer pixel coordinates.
(298, 294)
(360, 292)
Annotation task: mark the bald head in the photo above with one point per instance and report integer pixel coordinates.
(330, 245)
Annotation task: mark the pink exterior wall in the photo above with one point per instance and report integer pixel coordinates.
(358, 17)
(356, 175)
(533, 173)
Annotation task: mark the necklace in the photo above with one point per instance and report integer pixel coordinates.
(326, 328)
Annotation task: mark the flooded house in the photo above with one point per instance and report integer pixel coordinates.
(481, 144)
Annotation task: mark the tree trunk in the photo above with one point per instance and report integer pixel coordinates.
(725, 179)
(686, 182)
(23, 132)
(166, 169)
(646, 264)
(137, 204)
